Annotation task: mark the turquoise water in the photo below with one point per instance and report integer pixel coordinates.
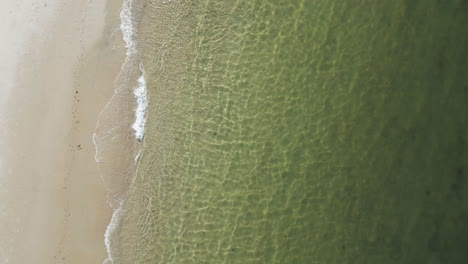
(302, 132)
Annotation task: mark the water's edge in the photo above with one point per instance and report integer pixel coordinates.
(120, 127)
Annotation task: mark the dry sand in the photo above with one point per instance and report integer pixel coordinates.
(53, 206)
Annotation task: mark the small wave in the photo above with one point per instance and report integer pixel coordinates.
(118, 127)
(111, 231)
(137, 157)
(141, 96)
(127, 26)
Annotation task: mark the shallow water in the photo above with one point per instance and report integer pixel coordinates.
(302, 132)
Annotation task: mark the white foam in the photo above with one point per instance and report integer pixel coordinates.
(137, 157)
(127, 26)
(111, 231)
(141, 95)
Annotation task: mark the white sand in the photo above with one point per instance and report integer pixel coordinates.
(59, 60)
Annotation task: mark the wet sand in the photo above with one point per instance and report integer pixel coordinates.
(53, 205)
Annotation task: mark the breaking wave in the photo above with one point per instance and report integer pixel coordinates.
(121, 126)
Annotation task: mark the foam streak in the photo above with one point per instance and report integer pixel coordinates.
(140, 113)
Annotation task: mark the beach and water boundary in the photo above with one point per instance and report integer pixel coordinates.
(121, 125)
(238, 132)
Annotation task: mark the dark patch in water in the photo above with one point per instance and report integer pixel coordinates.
(459, 183)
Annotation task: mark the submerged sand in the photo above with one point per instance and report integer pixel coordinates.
(53, 206)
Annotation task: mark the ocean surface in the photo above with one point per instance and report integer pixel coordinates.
(324, 131)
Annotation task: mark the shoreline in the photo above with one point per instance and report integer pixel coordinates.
(120, 127)
(55, 205)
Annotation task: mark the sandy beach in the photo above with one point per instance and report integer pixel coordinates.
(57, 75)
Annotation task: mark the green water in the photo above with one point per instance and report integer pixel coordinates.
(324, 131)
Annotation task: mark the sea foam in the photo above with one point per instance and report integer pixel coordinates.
(141, 96)
(128, 26)
(111, 230)
(128, 29)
